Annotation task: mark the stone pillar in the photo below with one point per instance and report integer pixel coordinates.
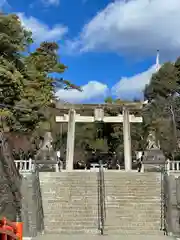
(70, 140)
(127, 140)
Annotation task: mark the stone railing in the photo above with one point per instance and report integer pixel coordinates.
(172, 166)
(25, 166)
(29, 166)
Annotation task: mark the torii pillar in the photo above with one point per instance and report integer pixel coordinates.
(127, 140)
(70, 140)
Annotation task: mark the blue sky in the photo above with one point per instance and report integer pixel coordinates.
(109, 46)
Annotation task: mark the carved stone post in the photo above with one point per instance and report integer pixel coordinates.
(127, 140)
(70, 140)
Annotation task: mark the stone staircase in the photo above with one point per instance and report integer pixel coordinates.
(133, 203)
(70, 202)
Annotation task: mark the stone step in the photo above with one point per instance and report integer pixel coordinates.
(119, 217)
(128, 223)
(72, 188)
(133, 226)
(70, 202)
(69, 224)
(70, 183)
(135, 198)
(127, 232)
(148, 214)
(53, 218)
(54, 192)
(109, 197)
(74, 209)
(65, 223)
(126, 184)
(83, 214)
(130, 178)
(70, 195)
(71, 232)
(134, 205)
(140, 182)
(97, 236)
(69, 180)
(131, 192)
(71, 205)
(129, 203)
(132, 187)
(91, 230)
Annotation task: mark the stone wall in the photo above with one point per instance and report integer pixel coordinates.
(10, 197)
(172, 204)
(7, 204)
(32, 211)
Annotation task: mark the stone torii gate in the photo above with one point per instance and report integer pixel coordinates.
(72, 117)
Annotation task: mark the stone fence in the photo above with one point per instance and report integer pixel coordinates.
(172, 166)
(30, 165)
(25, 166)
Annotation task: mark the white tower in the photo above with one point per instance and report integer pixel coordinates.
(157, 62)
(157, 67)
(152, 143)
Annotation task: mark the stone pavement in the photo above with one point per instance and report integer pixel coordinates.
(99, 237)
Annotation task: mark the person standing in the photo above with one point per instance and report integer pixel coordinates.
(140, 162)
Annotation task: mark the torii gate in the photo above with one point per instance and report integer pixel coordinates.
(71, 118)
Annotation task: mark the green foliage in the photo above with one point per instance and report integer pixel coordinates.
(162, 113)
(163, 83)
(26, 86)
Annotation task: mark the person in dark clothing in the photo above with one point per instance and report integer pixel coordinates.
(139, 162)
(91, 159)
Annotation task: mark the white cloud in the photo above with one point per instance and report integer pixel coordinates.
(132, 87)
(128, 88)
(135, 26)
(92, 90)
(41, 31)
(51, 2)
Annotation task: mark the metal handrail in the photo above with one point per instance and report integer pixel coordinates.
(101, 200)
(164, 225)
(162, 199)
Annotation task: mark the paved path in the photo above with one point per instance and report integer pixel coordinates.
(96, 237)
